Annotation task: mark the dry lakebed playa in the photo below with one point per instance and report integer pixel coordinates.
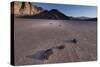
(33, 36)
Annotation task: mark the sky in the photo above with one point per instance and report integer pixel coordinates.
(71, 10)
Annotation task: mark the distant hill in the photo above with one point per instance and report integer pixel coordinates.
(91, 19)
(52, 14)
(83, 18)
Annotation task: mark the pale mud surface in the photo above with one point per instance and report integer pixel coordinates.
(32, 36)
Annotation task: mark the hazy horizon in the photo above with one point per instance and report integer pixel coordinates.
(71, 10)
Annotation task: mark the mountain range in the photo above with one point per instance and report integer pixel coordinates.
(36, 12)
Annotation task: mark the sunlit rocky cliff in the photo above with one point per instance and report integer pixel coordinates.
(18, 8)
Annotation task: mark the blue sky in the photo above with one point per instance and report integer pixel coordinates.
(71, 10)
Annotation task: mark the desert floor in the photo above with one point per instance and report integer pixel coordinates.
(32, 36)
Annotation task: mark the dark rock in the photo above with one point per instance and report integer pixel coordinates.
(61, 47)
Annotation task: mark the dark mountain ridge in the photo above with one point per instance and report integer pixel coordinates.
(52, 14)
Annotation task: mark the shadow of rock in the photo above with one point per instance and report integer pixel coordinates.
(45, 54)
(38, 55)
(41, 55)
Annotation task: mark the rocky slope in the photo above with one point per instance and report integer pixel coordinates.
(16, 9)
